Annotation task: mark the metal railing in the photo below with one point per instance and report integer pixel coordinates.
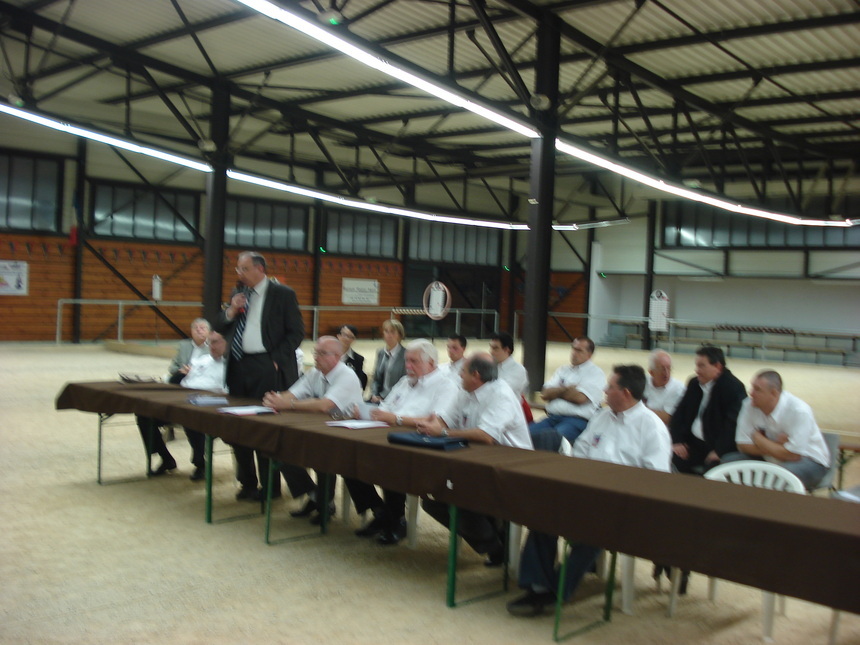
(631, 319)
(315, 310)
(120, 315)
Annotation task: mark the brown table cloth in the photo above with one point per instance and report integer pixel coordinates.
(797, 545)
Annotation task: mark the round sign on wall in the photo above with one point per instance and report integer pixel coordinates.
(437, 300)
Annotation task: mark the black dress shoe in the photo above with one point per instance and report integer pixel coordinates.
(389, 537)
(260, 495)
(309, 507)
(316, 518)
(531, 603)
(198, 474)
(248, 494)
(495, 558)
(376, 525)
(164, 467)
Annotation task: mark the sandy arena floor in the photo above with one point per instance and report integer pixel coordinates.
(135, 562)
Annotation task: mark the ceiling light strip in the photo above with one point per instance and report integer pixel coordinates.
(348, 202)
(380, 64)
(103, 138)
(324, 36)
(661, 185)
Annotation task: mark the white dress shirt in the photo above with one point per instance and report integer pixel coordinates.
(494, 409)
(790, 416)
(340, 386)
(666, 398)
(696, 428)
(432, 393)
(514, 375)
(206, 373)
(635, 437)
(588, 379)
(452, 370)
(252, 337)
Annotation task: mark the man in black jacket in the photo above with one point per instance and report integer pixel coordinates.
(263, 327)
(703, 426)
(354, 360)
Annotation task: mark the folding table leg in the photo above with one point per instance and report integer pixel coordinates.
(453, 527)
(207, 450)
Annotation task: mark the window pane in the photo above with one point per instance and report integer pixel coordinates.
(21, 193)
(45, 203)
(4, 191)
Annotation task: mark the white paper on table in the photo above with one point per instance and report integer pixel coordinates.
(246, 410)
(356, 424)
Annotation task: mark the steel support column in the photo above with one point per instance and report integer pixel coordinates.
(216, 203)
(80, 224)
(542, 192)
(649, 272)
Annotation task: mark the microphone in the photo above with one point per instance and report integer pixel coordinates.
(243, 289)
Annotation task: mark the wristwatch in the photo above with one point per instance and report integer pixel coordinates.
(444, 432)
(398, 420)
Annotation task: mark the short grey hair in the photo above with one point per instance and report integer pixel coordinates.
(425, 348)
(201, 321)
(772, 378)
(484, 366)
(652, 358)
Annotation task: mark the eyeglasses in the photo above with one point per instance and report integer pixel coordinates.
(321, 353)
(241, 270)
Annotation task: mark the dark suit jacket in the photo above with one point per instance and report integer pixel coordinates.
(719, 418)
(356, 363)
(398, 371)
(282, 329)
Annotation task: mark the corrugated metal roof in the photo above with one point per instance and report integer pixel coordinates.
(738, 61)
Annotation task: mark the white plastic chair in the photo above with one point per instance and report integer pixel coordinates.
(759, 474)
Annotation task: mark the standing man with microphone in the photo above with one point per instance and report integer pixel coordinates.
(263, 327)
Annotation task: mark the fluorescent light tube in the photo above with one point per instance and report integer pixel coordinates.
(103, 138)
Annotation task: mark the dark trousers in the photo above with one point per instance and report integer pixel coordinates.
(197, 441)
(695, 461)
(391, 505)
(299, 482)
(252, 376)
(485, 534)
(538, 566)
(151, 436)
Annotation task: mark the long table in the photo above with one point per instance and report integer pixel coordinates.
(795, 545)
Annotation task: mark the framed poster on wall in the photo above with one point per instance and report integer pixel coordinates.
(14, 278)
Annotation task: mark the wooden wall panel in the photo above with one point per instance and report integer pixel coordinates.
(332, 271)
(51, 261)
(181, 272)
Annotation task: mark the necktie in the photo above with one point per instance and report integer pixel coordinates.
(236, 349)
(383, 365)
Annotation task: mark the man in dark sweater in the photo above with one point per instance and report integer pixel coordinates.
(703, 426)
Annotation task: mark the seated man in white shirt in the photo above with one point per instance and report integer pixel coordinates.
(626, 433)
(207, 372)
(198, 371)
(149, 428)
(487, 411)
(573, 395)
(778, 427)
(662, 393)
(456, 347)
(511, 372)
(425, 390)
(331, 387)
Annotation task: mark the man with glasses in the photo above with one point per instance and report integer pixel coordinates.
(263, 327)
